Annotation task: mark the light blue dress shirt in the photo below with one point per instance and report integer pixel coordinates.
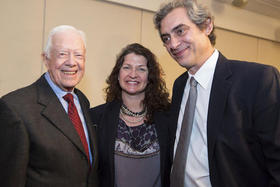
(60, 93)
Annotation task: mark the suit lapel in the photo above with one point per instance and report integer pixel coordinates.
(178, 91)
(110, 122)
(217, 102)
(56, 114)
(111, 119)
(90, 127)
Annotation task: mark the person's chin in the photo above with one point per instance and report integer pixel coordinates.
(181, 61)
(133, 92)
(69, 86)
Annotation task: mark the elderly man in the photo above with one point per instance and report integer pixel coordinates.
(45, 132)
(226, 113)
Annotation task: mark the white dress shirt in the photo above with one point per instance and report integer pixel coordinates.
(197, 168)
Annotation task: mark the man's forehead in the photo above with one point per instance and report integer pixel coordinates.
(68, 41)
(68, 35)
(173, 19)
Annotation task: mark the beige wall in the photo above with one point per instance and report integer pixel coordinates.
(109, 27)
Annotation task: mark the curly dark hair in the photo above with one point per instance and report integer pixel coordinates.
(156, 94)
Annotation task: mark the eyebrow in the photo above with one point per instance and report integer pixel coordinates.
(142, 65)
(177, 27)
(67, 49)
(173, 30)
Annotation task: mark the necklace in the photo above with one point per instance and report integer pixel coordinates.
(130, 121)
(128, 112)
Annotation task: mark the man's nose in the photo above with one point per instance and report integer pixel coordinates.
(71, 59)
(174, 42)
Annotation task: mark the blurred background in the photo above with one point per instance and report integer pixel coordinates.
(246, 30)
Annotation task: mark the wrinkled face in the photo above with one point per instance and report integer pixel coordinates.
(66, 61)
(184, 41)
(133, 75)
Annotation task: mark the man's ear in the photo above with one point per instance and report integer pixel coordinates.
(208, 26)
(45, 58)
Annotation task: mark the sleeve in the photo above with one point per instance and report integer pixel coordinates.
(96, 113)
(267, 121)
(14, 148)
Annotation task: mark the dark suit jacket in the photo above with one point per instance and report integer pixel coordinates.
(39, 144)
(106, 118)
(243, 124)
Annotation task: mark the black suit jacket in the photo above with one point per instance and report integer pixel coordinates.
(243, 124)
(106, 118)
(39, 144)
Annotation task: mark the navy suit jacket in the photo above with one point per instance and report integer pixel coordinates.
(106, 117)
(39, 144)
(243, 124)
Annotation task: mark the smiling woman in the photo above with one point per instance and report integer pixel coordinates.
(133, 76)
(132, 125)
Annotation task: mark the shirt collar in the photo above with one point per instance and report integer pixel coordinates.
(206, 71)
(58, 91)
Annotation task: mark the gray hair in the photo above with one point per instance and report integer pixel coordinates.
(197, 13)
(59, 29)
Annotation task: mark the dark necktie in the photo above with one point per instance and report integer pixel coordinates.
(74, 116)
(180, 160)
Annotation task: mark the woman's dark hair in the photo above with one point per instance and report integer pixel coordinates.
(156, 94)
